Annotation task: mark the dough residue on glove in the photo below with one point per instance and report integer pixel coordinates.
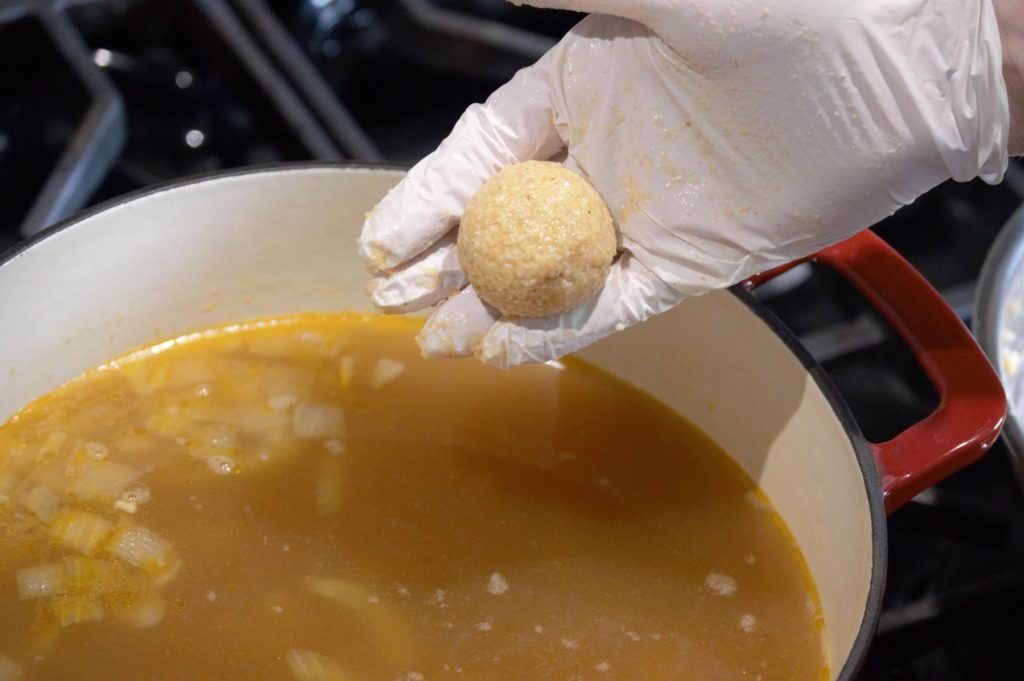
(536, 239)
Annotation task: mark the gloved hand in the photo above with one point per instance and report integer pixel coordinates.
(726, 137)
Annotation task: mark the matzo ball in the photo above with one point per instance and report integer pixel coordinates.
(536, 239)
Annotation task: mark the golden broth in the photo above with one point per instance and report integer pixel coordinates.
(306, 498)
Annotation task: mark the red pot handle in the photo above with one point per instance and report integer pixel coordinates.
(972, 404)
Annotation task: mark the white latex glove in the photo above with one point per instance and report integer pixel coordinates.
(727, 137)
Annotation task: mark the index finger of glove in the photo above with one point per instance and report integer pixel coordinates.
(425, 280)
(456, 327)
(515, 124)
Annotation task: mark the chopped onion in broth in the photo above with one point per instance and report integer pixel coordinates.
(306, 498)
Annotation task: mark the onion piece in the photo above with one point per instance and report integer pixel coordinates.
(8, 481)
(287, 379)
(269, 425)
(273, 345)
(390, 628)
(42, 503)
(281, 402)
(206, 440)
(171, 421)
(101, 481)
(80, 530)
(346, 370)
(41, 581)
(97, 451)
(385, 371)
(143, 376)
(42, 633)
(222, 465)
(142, 612)
(133, 497)
(342, 591)
(328, 486)
(75, 610)
(88, 575)
(309, 666)
(139, 547)
(51, 447)
(186, 372)
(135, 441)
(317, 420)
(169, 572)
(9, 669)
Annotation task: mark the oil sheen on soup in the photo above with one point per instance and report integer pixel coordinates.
(305, 498)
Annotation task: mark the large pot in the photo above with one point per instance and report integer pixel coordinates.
(999, 325)
(274, 241)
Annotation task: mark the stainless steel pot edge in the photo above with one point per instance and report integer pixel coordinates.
(1005, 259)
(872, 481)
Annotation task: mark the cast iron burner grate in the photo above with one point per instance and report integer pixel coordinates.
(61, 121)
(959, 615)
(188, 86)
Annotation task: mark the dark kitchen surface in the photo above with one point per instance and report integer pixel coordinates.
(112, 95)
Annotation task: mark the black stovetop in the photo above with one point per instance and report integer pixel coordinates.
(112, 95)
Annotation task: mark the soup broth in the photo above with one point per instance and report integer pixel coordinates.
(305, 498)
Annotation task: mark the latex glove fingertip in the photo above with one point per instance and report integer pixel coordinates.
(511, 343)
(457, 327)
(425, 281)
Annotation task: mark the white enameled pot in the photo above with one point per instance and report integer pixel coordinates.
(270, 241)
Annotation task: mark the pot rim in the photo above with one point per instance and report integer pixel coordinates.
(1004, 259)
(862, 449)
(869, 468)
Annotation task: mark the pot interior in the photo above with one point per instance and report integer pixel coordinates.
(999, 325)
(282, 241)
